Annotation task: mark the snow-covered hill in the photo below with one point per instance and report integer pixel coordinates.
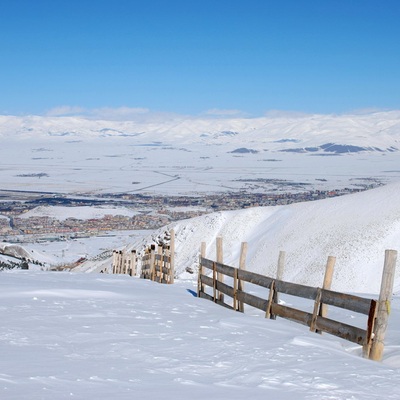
(356, 229)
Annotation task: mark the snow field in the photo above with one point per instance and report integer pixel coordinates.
(80, 336)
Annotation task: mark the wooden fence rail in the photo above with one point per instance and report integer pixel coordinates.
(316, 319)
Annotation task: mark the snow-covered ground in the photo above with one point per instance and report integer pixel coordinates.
(98, 336)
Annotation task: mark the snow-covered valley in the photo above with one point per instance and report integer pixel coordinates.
(187, 155)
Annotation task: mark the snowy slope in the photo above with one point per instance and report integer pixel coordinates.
(90, 336)
(356, 229)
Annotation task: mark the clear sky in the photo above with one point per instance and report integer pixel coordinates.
(193, 56)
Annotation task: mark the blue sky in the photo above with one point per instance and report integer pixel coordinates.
(192, 56)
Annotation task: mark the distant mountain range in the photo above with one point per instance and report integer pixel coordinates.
(197, 154)
(378, 131)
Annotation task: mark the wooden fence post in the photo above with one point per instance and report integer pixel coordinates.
(200, 286)
(119, 262)
(279, 277)
(235, 288)
(152, 262)
(160, 262)
(323, 311)
(242, 266)
(123, 262)
(166, 263)
(114, 262)
(281, 265)
(214, 282)
(133, 263)
(220, 260)
(172, 257)
(383, 312)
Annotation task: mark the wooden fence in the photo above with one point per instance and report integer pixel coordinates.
(377, 311)
(124, 262)
(157, 262)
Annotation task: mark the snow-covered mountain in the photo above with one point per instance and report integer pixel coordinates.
(180, 155)
(374, 131)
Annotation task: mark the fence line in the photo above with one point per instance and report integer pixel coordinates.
(371, 338)
(157, 262)
(124, 263)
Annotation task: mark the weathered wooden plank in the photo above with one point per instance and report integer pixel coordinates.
(208, 297)
(242, 266)
(152, 263)
(200, 286)
(254, 278)
(206, 280)
(224, 288)
(221, 303)
(225, 269)
(252, 300)
(171, 260)
(235, 288)
(346, 301)
(220, 260)
(330, 265)
(385, 296)
(279, 277)
(344, 331)
(214, 282)
(294, 289)
(220, 267)
(206, 263)
(204, 295)
(292, 314)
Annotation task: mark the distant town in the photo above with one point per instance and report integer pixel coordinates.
(152, 211)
